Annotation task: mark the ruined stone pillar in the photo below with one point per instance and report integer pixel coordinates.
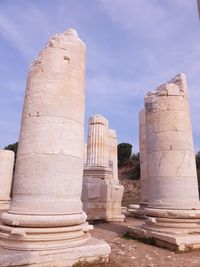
(170, 152)
(138, 210)
(173, 208)
(102, 193)
(143, 163)
(97, 148)
(46, 208)
(113, 158)
(143, 158)
(6, 174)
(85, 154)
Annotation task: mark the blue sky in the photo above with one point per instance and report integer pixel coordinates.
(133, 46)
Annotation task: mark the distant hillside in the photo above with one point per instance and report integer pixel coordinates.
(131, 187)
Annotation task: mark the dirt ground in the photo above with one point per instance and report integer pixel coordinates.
(129, 252)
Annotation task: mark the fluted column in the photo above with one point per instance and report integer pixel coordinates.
(102, 193)
(6, 174)
(97, 150)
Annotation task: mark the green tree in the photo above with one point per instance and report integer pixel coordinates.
(135, 163)
(12, 147)
(124, 153)
(198, 167)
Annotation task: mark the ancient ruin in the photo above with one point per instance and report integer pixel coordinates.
(102, 193)
(143, 162)
(45, 222)
(138, 210)
(6, 173)
(173, 210)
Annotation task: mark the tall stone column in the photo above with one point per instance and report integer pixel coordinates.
(6, 174)
(143, 163)
(113, 157)
(97, 148)
(85, 154)
(170, 151)
(173, 211)
(102, 193)
(138, 210)
(46, 208)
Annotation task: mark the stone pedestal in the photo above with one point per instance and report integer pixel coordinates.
(173, 211)
(102, 193)
(6, 174)
(46, 209)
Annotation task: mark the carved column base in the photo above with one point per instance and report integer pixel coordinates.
(136, 211)
(178, 230)
(93, 252)
(4, 205)
(23, 238)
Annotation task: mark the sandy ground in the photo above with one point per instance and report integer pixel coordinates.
(128, 252)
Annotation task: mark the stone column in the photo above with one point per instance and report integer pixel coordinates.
(170, 152)
(138, 210)
(113, 158)
(102, 193)
(85, 154)
(46, 208)
(6, 173)
(173, 208)
(143, 161)
(97, 148)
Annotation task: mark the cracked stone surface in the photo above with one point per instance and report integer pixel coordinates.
(46, 209)
(170, 151)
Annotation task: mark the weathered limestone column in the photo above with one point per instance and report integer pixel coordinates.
(143, 159)
(97, 149)
(6, 174)
(138, 210)
(46, 208)
(113, 158)
(102, 193)
(85, 154)
(173, 211)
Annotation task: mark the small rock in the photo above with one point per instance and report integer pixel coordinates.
(133, 257)
(148, 257)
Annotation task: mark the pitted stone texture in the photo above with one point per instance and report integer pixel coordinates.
(6, 174)
(46, 209)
